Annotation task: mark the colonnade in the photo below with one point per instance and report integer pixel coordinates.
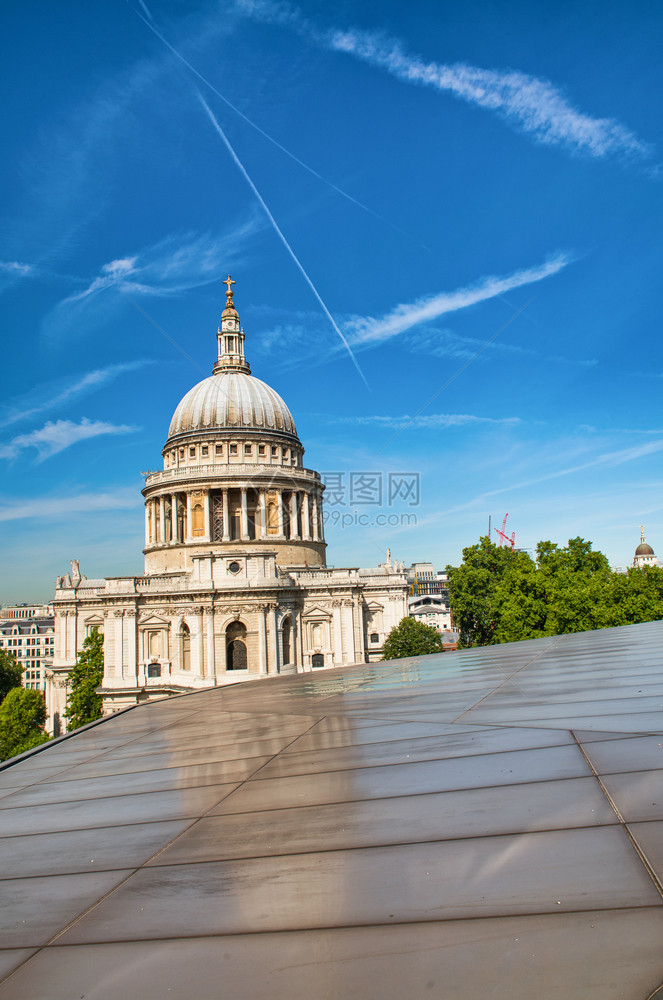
(207, 516)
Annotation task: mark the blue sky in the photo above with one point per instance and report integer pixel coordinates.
(444, 224)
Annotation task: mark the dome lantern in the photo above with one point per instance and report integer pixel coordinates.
(231, 357)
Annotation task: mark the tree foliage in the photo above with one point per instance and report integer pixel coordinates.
(411, 638)
(83, 703)
(498, 595)
(22, 718)
(10, 673)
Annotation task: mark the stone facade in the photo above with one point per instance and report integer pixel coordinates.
(235, 585)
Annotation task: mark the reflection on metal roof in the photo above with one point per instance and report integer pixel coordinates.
(463, 825)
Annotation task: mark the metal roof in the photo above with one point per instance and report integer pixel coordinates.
(486, 823)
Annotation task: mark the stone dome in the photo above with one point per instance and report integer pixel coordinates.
(231, 400)
(644, 550)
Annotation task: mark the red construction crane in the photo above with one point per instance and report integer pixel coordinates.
(504, 538)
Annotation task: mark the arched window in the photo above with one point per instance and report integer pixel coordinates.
(272, 514)
(286, 641)
(317, 660)
(198, 520)
(185, 647)
(236, 657)
(375, 637)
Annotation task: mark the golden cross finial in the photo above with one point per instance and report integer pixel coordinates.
(228, 281)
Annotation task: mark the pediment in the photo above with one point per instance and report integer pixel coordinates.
(153, 620)
(317, 612)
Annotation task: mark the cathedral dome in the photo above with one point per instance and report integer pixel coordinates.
(231, 400)
(644, 550)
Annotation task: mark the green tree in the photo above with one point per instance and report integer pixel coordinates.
(83, 703)
(473, 590)
(411, 638)
(22, 718)
(10, 673)
(502, 596)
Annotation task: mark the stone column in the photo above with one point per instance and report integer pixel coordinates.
(306, 518)
(349, 650)
(359, 629)
(263, 665)
(294, 526)
(147, 523)
(316, 523)
(226, 519)
(207, 500)
(173, 517)
(162, 519)
(210, 670)
(119, 643)
(263, 514)
(131, 643)
(275, 641)
(279, 508)
(72, 641)
(197, 643)
(188, 537)
(338, 635)
(244, 517)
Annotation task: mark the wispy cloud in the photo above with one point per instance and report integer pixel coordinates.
(444, 343)
(432, 421)
(66, 507)
(609, 460)
(14, 267)
(307, 335)
(52, 396)
(367, 329)
(175, 264)
(526, 103)
(57, 435)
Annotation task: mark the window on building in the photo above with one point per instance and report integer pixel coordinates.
(197, 520)
(233, 449)
(154, 670)
(317, 660)
(247, 449)
(261, 449)
(204, 450)
(185, 647)
(192, 452)
(236, 657)
(275, 451)
(375, 637)
(218, 449)
(286, 635)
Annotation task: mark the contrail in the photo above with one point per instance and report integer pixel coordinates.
(274, 223)
(266, 135)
